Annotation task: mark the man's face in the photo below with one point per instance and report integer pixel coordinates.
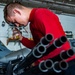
(18, 18)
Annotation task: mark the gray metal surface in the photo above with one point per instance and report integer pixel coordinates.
(15, 54)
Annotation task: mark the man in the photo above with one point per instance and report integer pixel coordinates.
(42, 21)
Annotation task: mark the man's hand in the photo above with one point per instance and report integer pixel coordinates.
(17, 34)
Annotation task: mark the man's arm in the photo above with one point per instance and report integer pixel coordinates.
(28, 43)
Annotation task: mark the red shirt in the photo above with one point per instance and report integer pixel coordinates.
(42, 22)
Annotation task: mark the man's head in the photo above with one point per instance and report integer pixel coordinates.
(16, 13)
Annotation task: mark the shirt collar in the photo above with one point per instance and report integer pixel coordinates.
(31, 18)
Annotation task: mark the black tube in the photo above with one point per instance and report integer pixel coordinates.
(45, 65)
(66, 54)
(47, 39)
(63, 55)
(63, 65)
(58, 67)
(56, 44)
(48, 63)
(39, 51)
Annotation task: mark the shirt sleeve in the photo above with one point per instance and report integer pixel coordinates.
(28, 43)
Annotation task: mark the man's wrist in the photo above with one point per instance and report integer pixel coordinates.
(21, 38)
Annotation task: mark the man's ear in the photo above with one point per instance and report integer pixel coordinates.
(16, 11)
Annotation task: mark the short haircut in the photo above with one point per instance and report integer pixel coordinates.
(9, 7)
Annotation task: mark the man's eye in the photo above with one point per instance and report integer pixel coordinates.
(12, 24)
